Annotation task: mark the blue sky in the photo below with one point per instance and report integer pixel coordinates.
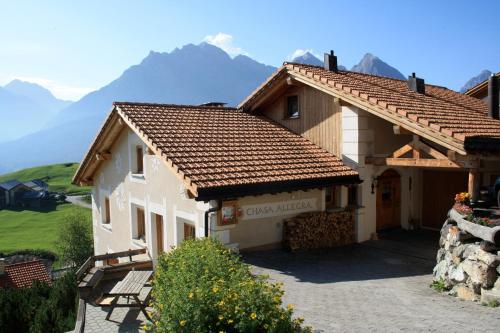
(73, 48)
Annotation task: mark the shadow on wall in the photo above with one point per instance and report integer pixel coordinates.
(382, 259)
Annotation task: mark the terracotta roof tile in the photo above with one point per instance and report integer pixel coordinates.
(451, 113)
(223, 147)
(23, 274)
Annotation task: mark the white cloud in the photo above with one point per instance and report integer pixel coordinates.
(59, 90)
(301, 52)
(225, 42)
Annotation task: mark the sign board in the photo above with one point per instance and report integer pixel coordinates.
(281, 208)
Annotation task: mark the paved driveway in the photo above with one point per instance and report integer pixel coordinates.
(377, 286)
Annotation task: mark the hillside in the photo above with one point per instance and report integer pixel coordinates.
(58, 176)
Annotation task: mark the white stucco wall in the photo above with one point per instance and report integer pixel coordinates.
(364, 134)
(159, 192)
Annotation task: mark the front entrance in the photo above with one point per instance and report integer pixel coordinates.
(438, 190)
(388, 200)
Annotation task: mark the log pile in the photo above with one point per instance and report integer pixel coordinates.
(318, 230)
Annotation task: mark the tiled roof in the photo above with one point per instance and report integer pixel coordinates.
(224, 148)
(450, 113)
(10, 184)
(23, 274)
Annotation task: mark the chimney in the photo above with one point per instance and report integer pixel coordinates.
(493, 100)
(2, 266)
(416, 84)
(330, 62)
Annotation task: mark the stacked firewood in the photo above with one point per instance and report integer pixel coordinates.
(318, 230)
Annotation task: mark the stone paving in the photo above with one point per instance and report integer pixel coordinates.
(121, 320)
(377, 286)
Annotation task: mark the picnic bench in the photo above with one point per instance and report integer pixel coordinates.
(133, 285)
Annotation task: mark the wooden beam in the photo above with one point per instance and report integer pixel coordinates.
(412, 162)
(291, 82)
(429, 150)
(398, 130)
(402, 151)
(473, 185)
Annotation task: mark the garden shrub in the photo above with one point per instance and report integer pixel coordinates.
(40, 308)
(204, 287)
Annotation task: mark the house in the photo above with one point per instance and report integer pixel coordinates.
(37, 185)
(414, 145)
(13, 192)
(22, 275)
(164, 173)
(303, 141)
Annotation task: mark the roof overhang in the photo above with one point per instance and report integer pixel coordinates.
(264, 93)
(228, 192)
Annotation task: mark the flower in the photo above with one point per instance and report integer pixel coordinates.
(253, 315)
(182, 323)
(215, 289)
(221, 317)
(191, 295)
(221, 303)
(230, 321)
(289, 307)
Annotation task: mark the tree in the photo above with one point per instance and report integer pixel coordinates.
(75, 242)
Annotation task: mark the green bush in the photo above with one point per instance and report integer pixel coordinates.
(40, 308)
(203, 287)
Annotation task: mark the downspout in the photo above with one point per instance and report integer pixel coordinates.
(207, 212)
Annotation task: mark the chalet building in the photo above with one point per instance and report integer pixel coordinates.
(308, 139)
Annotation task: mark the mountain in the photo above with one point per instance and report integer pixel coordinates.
(310, 59)
(371, 64)
(22, 115)
(193, 74)
(38, 94)
(25, 107)
(483, 76)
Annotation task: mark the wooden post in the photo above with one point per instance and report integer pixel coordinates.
(473, 184)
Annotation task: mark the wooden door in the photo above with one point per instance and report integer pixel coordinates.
(438, 191)
(159, 233)
(388, 200)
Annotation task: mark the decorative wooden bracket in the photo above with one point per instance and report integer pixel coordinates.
(103, 156)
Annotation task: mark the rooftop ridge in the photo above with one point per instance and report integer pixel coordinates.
(118, 103)
(365, 74)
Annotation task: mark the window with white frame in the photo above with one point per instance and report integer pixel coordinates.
(139, 160)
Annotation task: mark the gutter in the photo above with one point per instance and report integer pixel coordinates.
(207, 212)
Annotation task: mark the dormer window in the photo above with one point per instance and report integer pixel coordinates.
(139, 164)
(292, 106)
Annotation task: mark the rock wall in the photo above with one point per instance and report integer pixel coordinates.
(468, 266)
(319, 230)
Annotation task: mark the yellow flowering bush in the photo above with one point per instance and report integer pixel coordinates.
(203, 287)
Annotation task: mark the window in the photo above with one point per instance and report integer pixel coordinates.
(139, 160)
(189, 231)
(107, 213)
(352, 195)
(332, 197)
(292, 106)
(141, 224)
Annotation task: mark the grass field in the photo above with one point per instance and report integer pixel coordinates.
(27, 229)
(58, 176)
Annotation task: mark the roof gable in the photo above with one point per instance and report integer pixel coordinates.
(441, 115)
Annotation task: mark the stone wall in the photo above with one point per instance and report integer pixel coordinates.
(319, 230)
(467, 266)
